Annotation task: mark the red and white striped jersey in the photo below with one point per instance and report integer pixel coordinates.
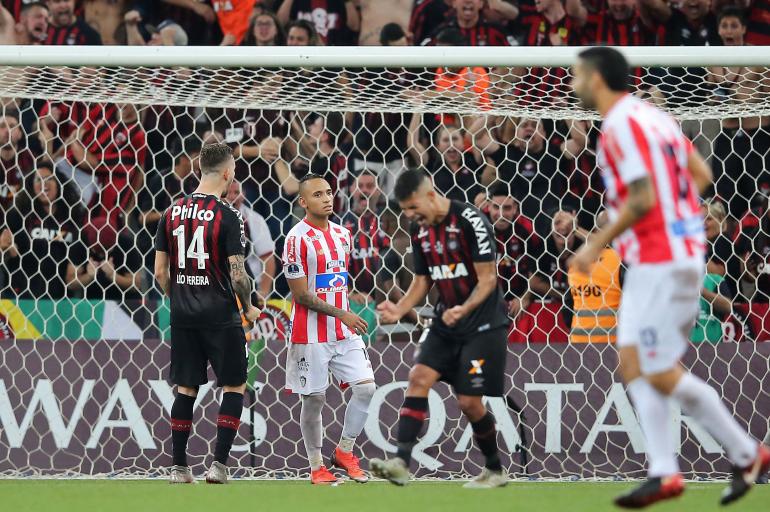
(640, 140)
(322, 257)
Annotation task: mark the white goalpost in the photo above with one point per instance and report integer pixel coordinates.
(84, 329)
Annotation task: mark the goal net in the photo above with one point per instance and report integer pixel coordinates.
(94, 144)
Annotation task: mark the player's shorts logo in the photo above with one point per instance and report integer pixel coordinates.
(303, 366)
(332, 282)
(476, 365)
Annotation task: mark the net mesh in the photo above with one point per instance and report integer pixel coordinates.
(91, 156)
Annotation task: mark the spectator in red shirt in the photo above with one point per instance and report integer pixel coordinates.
(621, 23)
(68, 29)
(468, 21)
(758, 29)
(427, 16)
(335, 21)
(516, 246)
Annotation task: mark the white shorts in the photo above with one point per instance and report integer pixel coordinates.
(658, 309)
(308, 365)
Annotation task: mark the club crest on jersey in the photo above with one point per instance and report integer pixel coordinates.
(185, 212)
(451, 271)
(331, 282)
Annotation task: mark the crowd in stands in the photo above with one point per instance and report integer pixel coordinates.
(82, 186)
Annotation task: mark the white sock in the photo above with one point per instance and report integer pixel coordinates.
(310, 426)
(654, 414)
(356, 413)
(702, 402)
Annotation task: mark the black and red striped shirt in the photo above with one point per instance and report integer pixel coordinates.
(369, 243)
(445, 252)
(516, 246)
(481, 34)
(603, 29)
(758, 23)
(536, 30)
(121, 147)
(427, 15)
(199, 232)
(15, 7)
(79, 33)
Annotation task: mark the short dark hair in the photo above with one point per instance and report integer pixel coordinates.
(309, 177)
(408, 182)
(610, 64)
(499, 189)
(213, 156)
(451, 36)
(308, 27)
(731, 11)
(391, 32)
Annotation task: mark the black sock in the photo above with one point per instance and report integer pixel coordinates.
(486, 437)
(181, 423)
(410, 419)
(227, 425)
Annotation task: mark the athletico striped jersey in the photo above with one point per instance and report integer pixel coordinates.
(640, 140)
(199, 233)
(322, 256)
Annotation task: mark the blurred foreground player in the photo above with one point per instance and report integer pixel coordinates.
(653, 176)
(200, 265)
(453, 245)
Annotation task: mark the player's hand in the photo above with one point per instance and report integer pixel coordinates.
(452, 315)
(584, 257)
(356, 324)
(389, 313)
(251, 314)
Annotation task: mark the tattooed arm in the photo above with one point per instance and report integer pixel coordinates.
(310, 300)
(240, 278)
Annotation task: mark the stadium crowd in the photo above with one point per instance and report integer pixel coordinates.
(82, 186)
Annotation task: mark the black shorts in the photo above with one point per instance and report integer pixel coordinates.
(473, 365)
(224, 348)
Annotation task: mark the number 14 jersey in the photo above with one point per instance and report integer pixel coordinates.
(199, 232)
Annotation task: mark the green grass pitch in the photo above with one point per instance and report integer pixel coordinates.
(289, 496)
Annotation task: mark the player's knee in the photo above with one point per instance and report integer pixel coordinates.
(316, 400)
(471, 406)
(364, 391)
(420, 379)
